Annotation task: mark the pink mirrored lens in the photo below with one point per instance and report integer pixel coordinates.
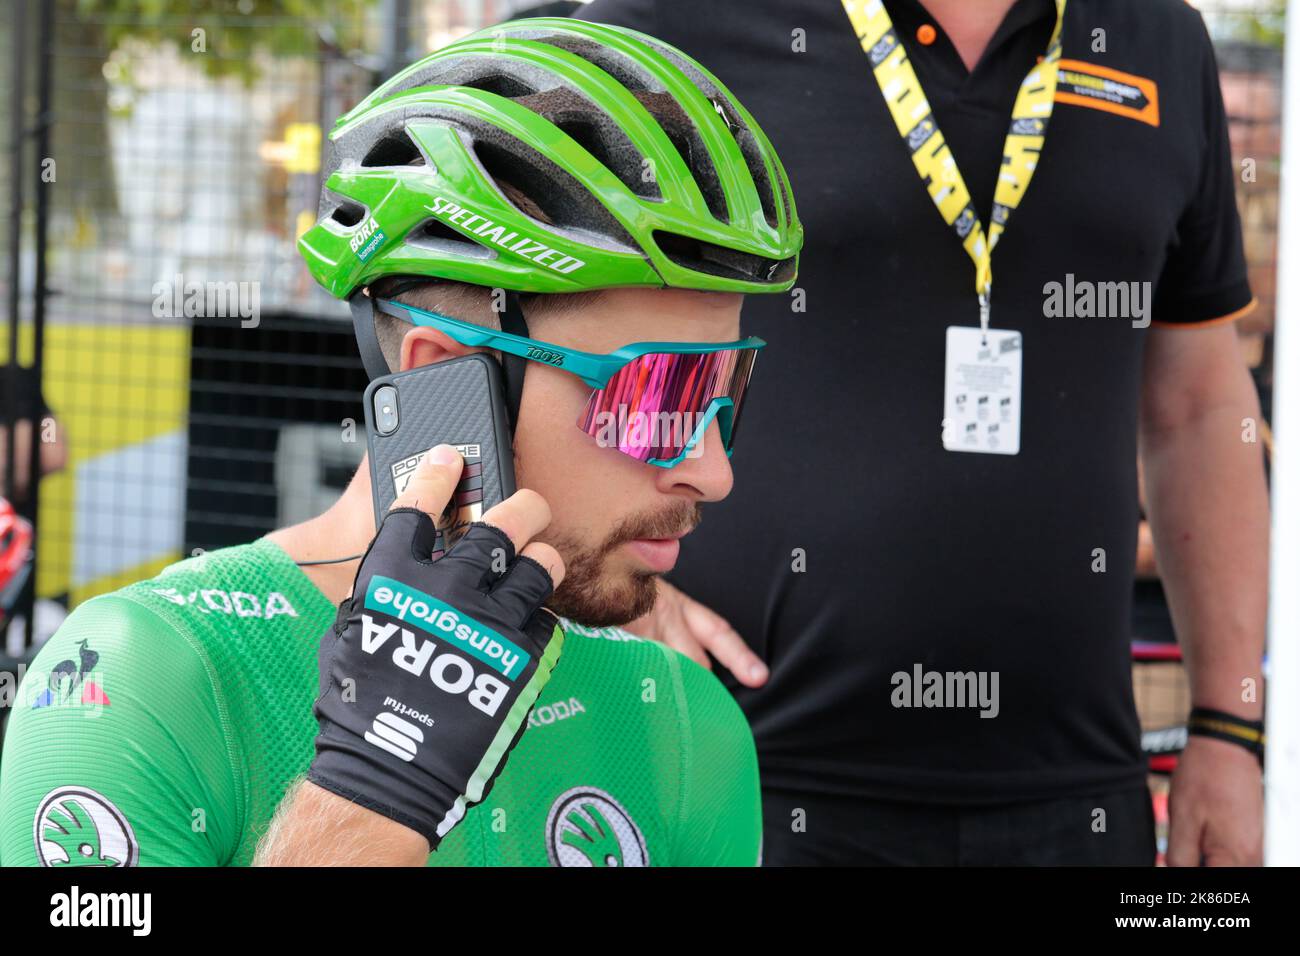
(652, 406)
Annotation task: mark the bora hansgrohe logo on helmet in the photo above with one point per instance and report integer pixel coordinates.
(367, 239)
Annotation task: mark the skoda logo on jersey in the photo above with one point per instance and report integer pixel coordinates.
(588, 827)
(75, 826)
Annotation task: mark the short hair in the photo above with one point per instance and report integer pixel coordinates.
(461, 300)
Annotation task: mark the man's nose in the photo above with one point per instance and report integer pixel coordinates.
(705, 473)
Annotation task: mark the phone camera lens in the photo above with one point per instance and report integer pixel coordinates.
(385, 405)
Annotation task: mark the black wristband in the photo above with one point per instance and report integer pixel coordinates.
(1206, 722)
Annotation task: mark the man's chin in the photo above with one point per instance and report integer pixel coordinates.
(603, 603)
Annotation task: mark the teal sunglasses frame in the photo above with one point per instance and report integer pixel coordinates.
(593, 368)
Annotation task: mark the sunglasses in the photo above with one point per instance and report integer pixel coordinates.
(653, 401)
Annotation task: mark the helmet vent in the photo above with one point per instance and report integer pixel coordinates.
(395, 149)
(712, 259)
(758, 172)
(729, 115)
(596, 132)
(559, 198)
(626, 165)
(348, 214)
(588, 137)
(686, 139)
(437, 235)
(620, 67)
(698, 161)
(510, 87)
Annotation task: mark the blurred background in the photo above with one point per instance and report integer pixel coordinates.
(150, 145)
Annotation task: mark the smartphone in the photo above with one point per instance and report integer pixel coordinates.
(460, 402)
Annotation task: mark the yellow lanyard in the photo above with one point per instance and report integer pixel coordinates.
(930, 154)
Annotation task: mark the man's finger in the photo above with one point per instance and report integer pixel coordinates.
(529, 583)
(521, 516)
(720, 639)
(671, 625)
(548, 558)
(434, 481)
(682, 642)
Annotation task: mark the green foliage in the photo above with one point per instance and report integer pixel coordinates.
(223, 36)
(1268, 29)
(1261, 23)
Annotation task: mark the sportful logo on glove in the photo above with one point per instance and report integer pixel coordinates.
(437, 617)
(401, 738)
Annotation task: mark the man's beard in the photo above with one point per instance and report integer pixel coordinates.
(588, 594)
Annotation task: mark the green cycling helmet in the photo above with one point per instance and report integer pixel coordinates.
(650, 172)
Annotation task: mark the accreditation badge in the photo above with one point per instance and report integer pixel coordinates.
(981, 394)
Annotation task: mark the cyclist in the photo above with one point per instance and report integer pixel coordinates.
(622, 196)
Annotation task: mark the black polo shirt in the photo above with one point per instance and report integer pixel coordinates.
(916, 556)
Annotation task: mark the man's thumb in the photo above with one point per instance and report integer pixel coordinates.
(434, 481)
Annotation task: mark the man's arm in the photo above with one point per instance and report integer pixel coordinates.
(314, 827)
(116, 752)
(53, 454)
(422, 777)
(1208, 507)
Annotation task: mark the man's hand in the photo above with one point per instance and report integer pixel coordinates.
(1216, 806)
(1207, 502)
(427, 675)
(688, 626)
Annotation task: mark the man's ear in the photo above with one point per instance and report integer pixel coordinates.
(423, 345)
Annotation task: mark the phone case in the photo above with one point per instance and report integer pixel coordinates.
(459, 402)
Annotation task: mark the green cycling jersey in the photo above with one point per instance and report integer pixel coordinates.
(164, 723)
